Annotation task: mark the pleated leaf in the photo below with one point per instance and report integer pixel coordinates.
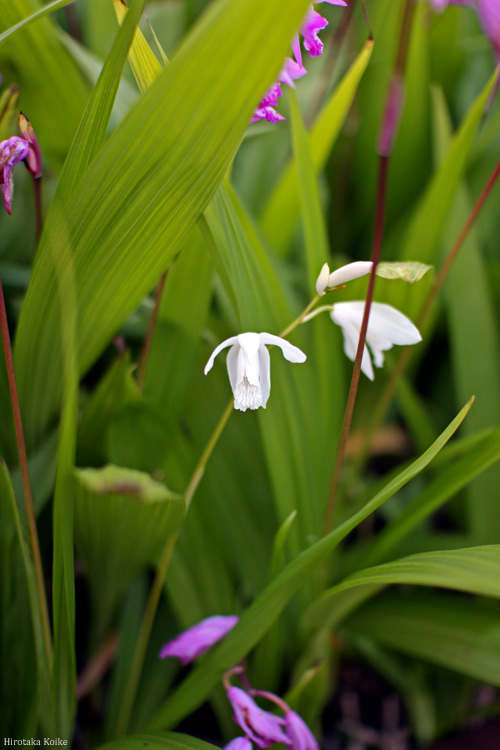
(123, 518)
(164, 741)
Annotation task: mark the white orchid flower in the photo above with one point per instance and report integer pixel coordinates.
(342, 275)
(386, 327)
(249, 366)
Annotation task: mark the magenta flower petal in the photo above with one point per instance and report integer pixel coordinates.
(12, 151)
(291, 71)
(489, 17)
(309, 30)
(299, 733)
(198, 639)
(260, 726)
(239, 743)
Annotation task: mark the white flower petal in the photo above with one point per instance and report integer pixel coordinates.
(265, 373)
(386, 327)
(391, 325)
(232, 365)
(322, 281)
(248, 363)
(290, 352)
(349, 272)
(217, 350)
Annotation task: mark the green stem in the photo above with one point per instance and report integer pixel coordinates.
(143, 361)
(23, 463)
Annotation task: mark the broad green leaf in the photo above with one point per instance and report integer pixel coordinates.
(50, 7)
(456, 633)
(163, 741)
(475, 570)
(284, 201)
(261, 615)
(143, 62)
(123, 518)
(409, 271)
(130, 216)
(431, 214)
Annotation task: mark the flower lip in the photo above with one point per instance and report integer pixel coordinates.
(198, 639)
(262, 727)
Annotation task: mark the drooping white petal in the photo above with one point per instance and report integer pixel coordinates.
(349, 272)
(217, 350)
(290, 352)
(322, 281)
(386, 327)
(232, 365)
(389, 324)
(265, 373)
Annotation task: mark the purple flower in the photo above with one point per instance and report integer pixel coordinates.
(12, 151)
(260, 726)
(299, 733)
(312, 24)
(489, 17)
(239, 743)
(198, 639)
(265, 110)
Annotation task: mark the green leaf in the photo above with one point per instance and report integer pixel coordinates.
(163, 741)
(313, 220)
(475, 570)
(143, 62)
(123, 518)
(130, 216)
(283, 204)
(50, 7)
(453, 632)
(409, 271)
(261, 615)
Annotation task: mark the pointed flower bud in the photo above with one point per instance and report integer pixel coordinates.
(322, 281)
(12, 151)
(198, 639)
(34, 159)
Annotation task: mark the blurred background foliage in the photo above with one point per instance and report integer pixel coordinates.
(239, 259)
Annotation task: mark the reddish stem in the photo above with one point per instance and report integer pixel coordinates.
(351, 399)
(143, 361)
